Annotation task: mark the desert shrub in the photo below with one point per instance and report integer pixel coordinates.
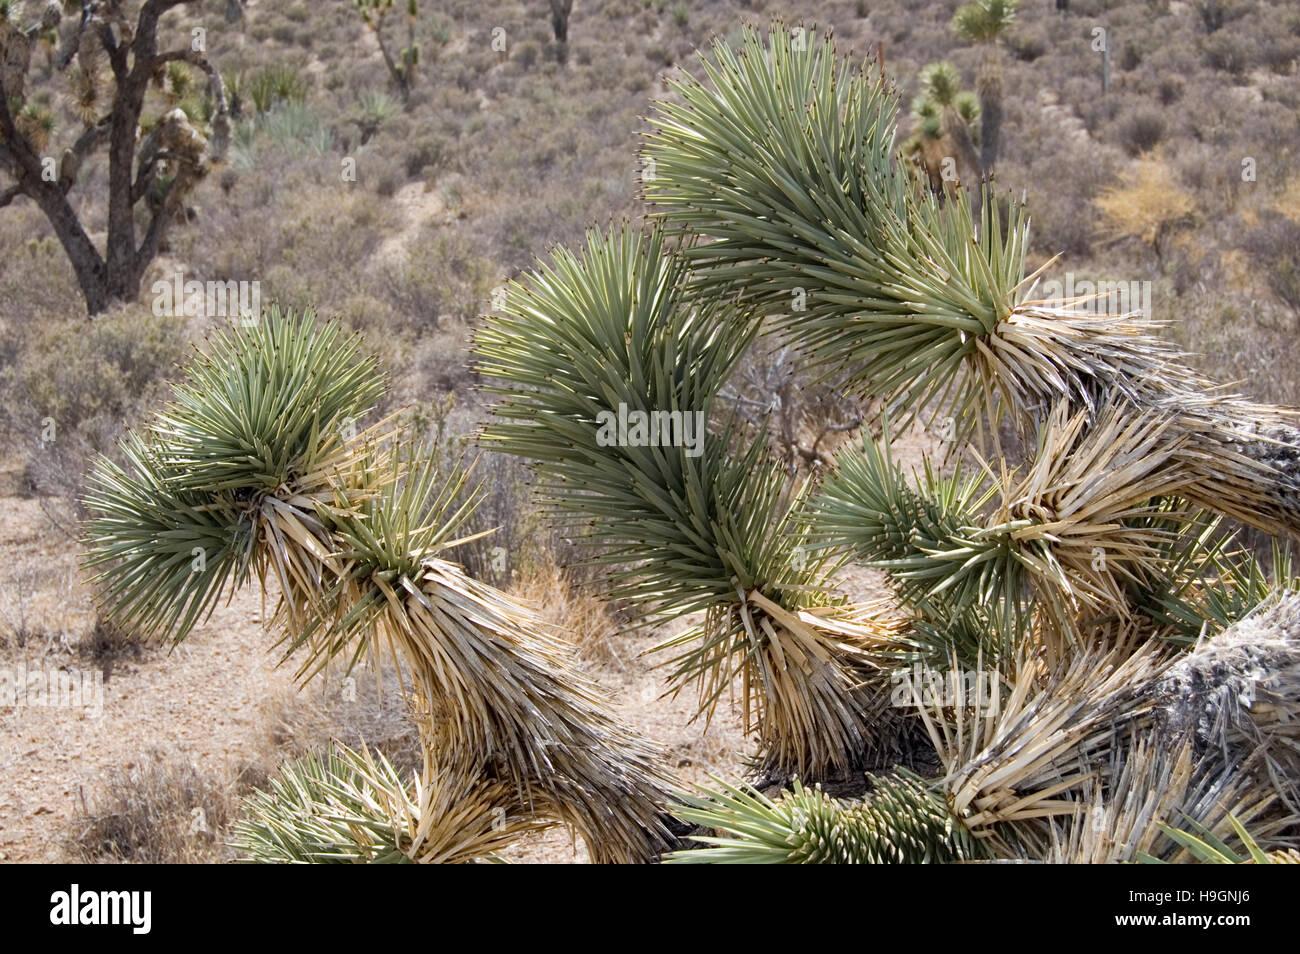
(76, 371)
(296, 128)
(1215, 14)
(385, 174)
(106, 643)
(17, 612)
(1213, 177)
(1169, 90)
(441, 276)
(1063, 217)
(157, 812)
(77, 385)
(526, 54)
(1225, 335)
(1147, 204)
(1274, 247)
(580, 616)
(1225, 53)
(1027, 45)
(274, 84)
(1279, 54)
(36, 281)
(438, 360)
(1130, 56)
(426, 156)
(1141, 131)
(323, 241)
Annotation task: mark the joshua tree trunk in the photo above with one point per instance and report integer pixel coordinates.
(967, 156)
(990, 93)
(560, 10)
(988, 84)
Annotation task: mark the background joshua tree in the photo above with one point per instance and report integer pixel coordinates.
(947, 128)
(560, 11)
(403, 65)
(111, 61)
(985, 22)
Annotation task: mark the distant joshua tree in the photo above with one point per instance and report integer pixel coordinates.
(560, 11)
(985, 22)
(947, 128)
(110, 62)
(401, 65)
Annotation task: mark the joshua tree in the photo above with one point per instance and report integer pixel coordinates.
(985, 22)
(560, 11)
(110, 62)
(1137, 673)
(252, 472)
(1072, 582)
(947, 121)
(402, 67)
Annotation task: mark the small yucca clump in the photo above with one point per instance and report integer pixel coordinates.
(349, 807)
(902, 821)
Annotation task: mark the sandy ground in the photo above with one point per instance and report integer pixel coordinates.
(205, 701)
(215, 701)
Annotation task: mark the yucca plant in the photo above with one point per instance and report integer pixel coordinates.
(985, 22)
(902, 821)
(783, 160)
(607, 333)
(1211, 850)
(257, 469)
(353, 807)
(946, 125)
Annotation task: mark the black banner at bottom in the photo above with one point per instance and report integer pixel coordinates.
(139, 904)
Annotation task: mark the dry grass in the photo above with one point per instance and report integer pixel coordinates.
(161, 811)
(576, 616)
(106, 643)
(168, 809)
